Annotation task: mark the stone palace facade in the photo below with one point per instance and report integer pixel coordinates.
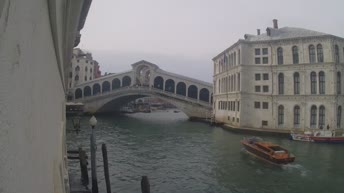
(287, 78)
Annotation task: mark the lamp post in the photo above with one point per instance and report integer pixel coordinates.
(93, 123)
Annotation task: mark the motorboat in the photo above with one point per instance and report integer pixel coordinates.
(305, 136)
(327, 136)
(267, 151)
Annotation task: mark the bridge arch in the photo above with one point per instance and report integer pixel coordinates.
(204, 95)
(159, 82)
(181, 88)
(87, 91)
(192, 91)
(126, 81)
(169, 85)
(78, 93)
(116, 84)
(96, 89)
(105, 86)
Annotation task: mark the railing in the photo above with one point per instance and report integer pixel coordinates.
(144, 90)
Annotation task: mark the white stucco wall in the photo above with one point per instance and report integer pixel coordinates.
(32, 98)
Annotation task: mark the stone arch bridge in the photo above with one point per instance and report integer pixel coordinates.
(109, 93)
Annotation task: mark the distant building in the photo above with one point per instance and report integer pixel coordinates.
(83, 68)
(287, 78)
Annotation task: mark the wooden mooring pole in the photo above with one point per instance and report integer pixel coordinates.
(93, 163)
(106, 168)
(83, 167)
(145, 187)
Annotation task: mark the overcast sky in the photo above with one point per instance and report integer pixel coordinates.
(182, 36)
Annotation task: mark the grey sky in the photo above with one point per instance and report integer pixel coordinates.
(182, 36)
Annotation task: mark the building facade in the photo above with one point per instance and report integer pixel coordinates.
(287, 78)
(36, 41)
(83, 68)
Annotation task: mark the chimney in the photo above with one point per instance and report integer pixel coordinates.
(275, 23)
(258, 31)
(268, 31)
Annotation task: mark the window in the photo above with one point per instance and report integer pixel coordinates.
(238, 106)
(281, 83)
(90, 78)
(77, 68)
(265, 60)
(311, 50)
(78, 61)
(265, 76)
(257, 105)
(313, 116)
(237, 120)
(85, 78)
(313, 83)
(91, 70)
(336, 53)
(321, 116)
(257, 60)
(265, 51)
(265, 105)
(339, 116)
(279, 55)
(233, 119)
(257, 88)
(91, 62)
(257, 51)
(296, 116)
(265, 88)
(280, 115)
(321, 82)
(257, 76)
(320, 53)
(238, 56)
(264, 123)
(295, 55)
(296, 83)
(76, 78)
(86, 69)
(86, 61)
(70, 74)
(339, 83)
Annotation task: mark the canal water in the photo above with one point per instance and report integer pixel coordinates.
(191, 157)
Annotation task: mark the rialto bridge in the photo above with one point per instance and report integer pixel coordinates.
(109, 93)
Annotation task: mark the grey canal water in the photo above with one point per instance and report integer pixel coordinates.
(190, 157)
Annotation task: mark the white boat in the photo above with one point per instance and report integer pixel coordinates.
(306, 136)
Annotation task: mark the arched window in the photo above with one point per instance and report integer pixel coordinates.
(339, 116)
(339, 83)
(296, 83)
(321, 82)
(336, 53)
(320, 53)
(87, 91)
(78, 93)
(295, 55)
(159, 82)
(169, 85)
(313, 122)
(280, 115)
(204, 95)
(311, 54)
(192, 91)
(77, 69)
(96, 89)
(116, 83)
(105, 86)
(281, 83)
(86, 69)
(181, 88)
(279, 55)
(313, 83)
(126, 81)
(76, 78)
(321, 116)
(296, 116)
(70, 74)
